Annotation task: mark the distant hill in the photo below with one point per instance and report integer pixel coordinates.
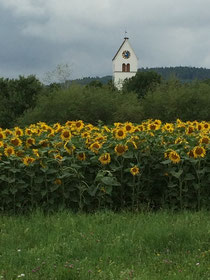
(183, 73)
(84, 81)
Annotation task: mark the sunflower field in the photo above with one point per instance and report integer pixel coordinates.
(79, 166)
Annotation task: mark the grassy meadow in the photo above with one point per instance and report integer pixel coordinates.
(105, 245)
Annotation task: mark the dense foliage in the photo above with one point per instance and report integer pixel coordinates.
(142, 83)
(85, 167)
(92, 104)
(172, 100)
(183, 73)
(16, 96)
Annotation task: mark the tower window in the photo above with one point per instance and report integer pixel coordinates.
(123, 67)
(128, 67)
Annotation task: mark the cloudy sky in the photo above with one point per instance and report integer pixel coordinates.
(37, 35)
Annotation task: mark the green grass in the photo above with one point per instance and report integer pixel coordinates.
(152, 246)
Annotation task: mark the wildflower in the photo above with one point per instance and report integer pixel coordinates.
(105, 158)
(134, 170)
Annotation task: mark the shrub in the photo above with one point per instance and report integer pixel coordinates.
(173, 100)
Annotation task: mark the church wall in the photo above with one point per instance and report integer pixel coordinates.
(118, 75)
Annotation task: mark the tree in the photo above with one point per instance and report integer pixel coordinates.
(17, 95)
(142, 82)
(61, 74)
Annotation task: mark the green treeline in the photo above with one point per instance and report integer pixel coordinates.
(183, 73)
(146, 96)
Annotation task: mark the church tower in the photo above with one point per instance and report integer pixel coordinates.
(125, 63)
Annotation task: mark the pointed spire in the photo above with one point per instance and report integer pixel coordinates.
(126, 35)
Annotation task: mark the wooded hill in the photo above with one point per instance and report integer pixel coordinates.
(183, 73)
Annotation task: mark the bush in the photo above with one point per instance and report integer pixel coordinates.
(88, 103)
(17, 95)
(142, 82)
(173, 100)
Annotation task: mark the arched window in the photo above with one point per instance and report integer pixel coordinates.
(128, 67)
(123, 67)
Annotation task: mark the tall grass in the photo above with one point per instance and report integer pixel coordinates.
(105, 245)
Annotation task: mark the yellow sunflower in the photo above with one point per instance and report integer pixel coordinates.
(36, 152)
(168, 127)
(81, 156)
(174, 157)
(8, 151)
(199, 151)
(134, 170)
(28, 160)
(28, 132)
(206, 126)
(152, 126)
(18, 131)
(44, 143)
(189, 130)
(120, 133)
(94, 147)
(120, 149)
(16, 141)
(69, 148)
(2, 135)
(204, 140)
(78, 125)
(65, 135)
(105, 158)
(30, 142)
(58, 157)
(57, 181)
(128, 126)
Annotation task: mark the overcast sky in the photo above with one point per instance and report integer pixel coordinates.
(37, 35)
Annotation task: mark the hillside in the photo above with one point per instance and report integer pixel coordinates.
(183, 73)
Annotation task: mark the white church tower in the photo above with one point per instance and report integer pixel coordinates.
(125, 64)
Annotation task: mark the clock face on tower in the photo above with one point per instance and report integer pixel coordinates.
(126, 54)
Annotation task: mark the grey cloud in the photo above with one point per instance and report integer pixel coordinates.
(38, 35)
